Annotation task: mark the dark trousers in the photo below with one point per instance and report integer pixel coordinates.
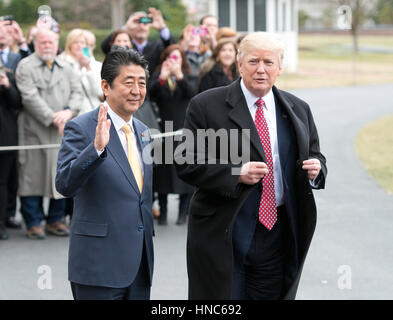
(184, 202)
(261, 276)
(69, 208)
(12, 189)
(33, 211)
(138, 290)
(6, 163)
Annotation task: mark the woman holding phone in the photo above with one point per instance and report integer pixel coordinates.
(78, 54)
(171, 87)
(196, 52)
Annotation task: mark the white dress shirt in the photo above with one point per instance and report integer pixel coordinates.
(118, 123)
(269, 111)
(4, 54)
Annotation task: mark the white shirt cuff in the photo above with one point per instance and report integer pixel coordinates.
(165, 34)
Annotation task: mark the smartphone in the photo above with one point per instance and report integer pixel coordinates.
(145, 20)
(201, 31)
(8, 18)
(86, 52)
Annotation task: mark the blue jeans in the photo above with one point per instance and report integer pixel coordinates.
(33, 211)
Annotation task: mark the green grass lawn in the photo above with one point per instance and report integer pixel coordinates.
(329, 61)
(374, 146)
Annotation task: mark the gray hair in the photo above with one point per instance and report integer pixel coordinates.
(261, 41)
(46, 31)
(132, 15)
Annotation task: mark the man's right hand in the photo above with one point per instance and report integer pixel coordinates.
(252, 172)
(4, 80)
(102, 129)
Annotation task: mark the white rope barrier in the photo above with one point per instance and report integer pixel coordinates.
(54, 146)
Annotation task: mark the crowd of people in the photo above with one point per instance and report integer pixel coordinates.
(43, 86)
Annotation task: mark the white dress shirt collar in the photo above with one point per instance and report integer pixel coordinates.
(118, 121)
(251, 98)
(4, 54)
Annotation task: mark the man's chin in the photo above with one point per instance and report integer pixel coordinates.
(133, 107)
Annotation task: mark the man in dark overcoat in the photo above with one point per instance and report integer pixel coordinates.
(251, 221)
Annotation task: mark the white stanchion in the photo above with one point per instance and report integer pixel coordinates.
(54, 146)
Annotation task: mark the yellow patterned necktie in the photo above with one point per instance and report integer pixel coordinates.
(133, 158)
(49, 64)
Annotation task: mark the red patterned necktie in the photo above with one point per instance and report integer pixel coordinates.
(267, 207)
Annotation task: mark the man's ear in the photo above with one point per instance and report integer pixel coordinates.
(105, 87)
(239, 66)
(279, 71)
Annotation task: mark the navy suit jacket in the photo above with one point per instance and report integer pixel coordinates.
(112, 221)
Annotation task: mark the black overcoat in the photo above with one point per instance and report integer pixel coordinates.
(219, 196)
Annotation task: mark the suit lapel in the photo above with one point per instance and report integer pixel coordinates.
(283, 132)
(242, 117)
(56, 74)
(298, 125)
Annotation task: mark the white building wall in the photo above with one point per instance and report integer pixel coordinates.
(289, 35)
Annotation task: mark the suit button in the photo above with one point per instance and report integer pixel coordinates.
(140, 228)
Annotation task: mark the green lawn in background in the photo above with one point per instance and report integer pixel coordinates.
(374, 146)
(328, 60)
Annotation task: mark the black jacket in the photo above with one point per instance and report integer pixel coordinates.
(214, 78)
(219, 196)
(10, 105)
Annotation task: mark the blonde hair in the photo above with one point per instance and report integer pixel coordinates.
(72, 37)
(262, 41)
(225, 32)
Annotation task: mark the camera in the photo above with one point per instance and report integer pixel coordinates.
(44, 11)
(145, 20)
(201, 31)
(7, 18)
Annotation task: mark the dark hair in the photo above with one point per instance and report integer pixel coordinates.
(207, 16)
(208, 64)
(121, 57)
(115, 34)
(185, 67)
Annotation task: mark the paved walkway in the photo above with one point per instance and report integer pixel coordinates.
(354, 232)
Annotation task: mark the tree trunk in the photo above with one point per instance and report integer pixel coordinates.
(118, 10)
(354, 32)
